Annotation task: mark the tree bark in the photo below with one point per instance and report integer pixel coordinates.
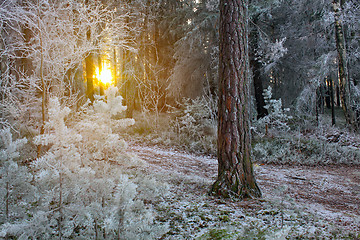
(235, 171)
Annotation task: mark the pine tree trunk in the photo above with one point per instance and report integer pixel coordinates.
(235, 172)
(343, 73)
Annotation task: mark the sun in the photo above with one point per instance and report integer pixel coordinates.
(105, 76)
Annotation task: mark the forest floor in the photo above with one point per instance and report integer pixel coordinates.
(321, 198)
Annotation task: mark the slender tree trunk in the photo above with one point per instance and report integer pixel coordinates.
(96, 230)
(256, 70)
(43, 93)
(115, 66)
(130, 89)
(332, 102)
(7, 203)
(60, 207)
(235, 171)
(7, 197)
(101, 85)
(320, 97)
(90, 71)
(103, 206)
(337, 95)
(327, 93)
(317, 106)
(343, 73)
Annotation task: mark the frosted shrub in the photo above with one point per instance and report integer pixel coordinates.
(305, 151)
(85, 188)
(278, 116)
(96, 127)
(306, 102)
(112, 105)
(196, 123)
(16, 192)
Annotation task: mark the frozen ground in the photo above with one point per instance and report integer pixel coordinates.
(323, 200)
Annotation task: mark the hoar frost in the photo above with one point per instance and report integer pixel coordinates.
(84, 184)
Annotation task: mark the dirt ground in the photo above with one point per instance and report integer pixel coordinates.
(332, 192)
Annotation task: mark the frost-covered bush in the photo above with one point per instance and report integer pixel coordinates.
(305, 104)
(196, 123)
(96, 126)
(278, 116)
(86, 189)
(16, 192)
(310, 150)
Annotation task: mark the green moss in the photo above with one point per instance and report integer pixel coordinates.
(216, 234)
(224, 218)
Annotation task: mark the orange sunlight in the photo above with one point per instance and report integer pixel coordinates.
(105, 76)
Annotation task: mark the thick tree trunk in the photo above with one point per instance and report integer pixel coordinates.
(235, 172)
(343, 73)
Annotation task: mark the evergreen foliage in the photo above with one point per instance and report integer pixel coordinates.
(80, 192)
(278, 116)
(17, 194)
(195, 125)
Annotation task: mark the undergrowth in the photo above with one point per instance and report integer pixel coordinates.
(278, 138)
(85, 185)
(191, 127)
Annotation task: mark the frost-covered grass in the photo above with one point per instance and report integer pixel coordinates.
(303, 207)
(192, 214)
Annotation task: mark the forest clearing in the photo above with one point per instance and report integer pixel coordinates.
(322, 196)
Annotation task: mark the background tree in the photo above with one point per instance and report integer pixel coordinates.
(235, 171)
(344, 80)
(194, 73)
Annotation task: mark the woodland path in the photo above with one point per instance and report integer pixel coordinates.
(331, 192)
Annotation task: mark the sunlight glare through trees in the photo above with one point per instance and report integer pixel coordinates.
(105, 76)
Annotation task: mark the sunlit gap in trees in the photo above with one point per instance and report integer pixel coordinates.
(105, 76)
